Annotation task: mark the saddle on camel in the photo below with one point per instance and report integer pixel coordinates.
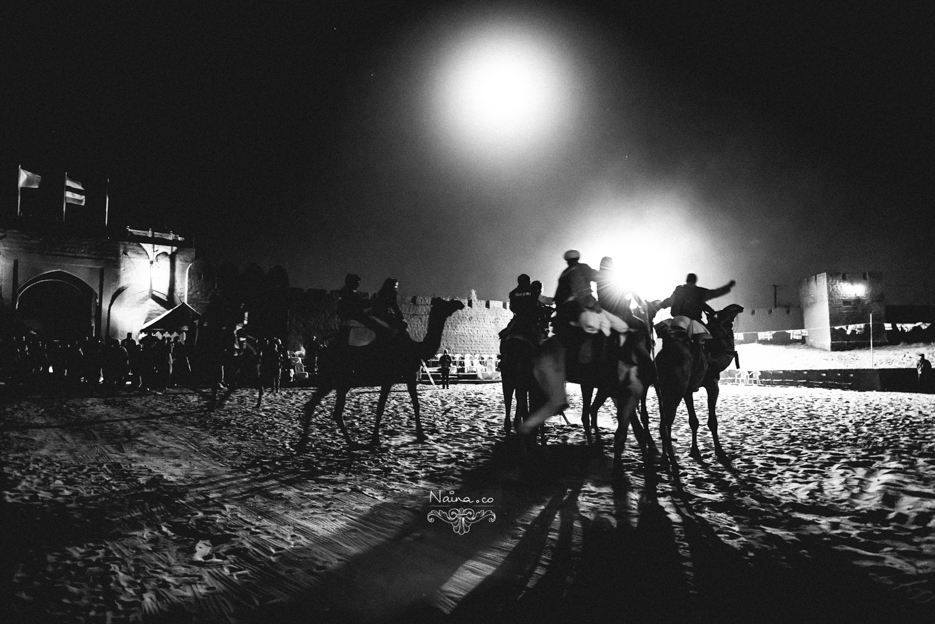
(385, 359)
(589, 347)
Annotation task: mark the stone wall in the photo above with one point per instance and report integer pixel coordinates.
(769, 319)
(853, 296)
(311, 317)
(475, 329)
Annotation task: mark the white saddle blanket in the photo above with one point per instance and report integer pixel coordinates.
(360, 336)
(694, 329)
(604, 321)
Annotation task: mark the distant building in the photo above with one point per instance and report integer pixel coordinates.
(111, 284)
(838, 309)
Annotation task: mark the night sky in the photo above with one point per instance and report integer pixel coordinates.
(455, 145)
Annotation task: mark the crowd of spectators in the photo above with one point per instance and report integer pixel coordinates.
(154, 363)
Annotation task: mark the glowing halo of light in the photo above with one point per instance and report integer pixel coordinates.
(654, 236)
(504, 89)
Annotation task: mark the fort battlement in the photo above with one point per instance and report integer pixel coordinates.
(474, 329)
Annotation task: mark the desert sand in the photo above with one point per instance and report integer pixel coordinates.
(151, 508)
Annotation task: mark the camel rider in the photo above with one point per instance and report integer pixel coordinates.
(575, 303)
(626, 305)
(525, 306)
(576, 307)
(386, 312)
(544, 310)
(351, 306)
(358, 327)
(690, 300)
(618, 300)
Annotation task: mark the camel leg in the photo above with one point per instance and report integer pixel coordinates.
(529, 402)
(599, 400)
(522, 405)
(522, 408)
(640, 425)
(586, 418)
(714, 390)
(339, 401)
(381, 407)
(693, 423)
(630, 391)
(524, 402)
(620, 435)
(644, 411)
(259, 396)
(508, 403)
(308, 410)
(549, 371)
(414, 395)
(668, 406)
(644, 421)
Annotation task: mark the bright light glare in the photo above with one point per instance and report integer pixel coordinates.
(855, 290)
(503, 88)
(651, 256)
(638, 265)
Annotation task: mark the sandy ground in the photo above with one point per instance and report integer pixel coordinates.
(150, 508)
(800, 357)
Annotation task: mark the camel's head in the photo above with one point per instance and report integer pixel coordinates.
(728, 314)
(446, 307)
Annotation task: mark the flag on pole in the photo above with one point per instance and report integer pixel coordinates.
(27, 179)
(74, 191)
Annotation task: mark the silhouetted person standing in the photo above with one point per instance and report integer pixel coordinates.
(444, 363)
(925, 374)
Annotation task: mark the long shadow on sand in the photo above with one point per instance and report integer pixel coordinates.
(651, 558)
(655, 559)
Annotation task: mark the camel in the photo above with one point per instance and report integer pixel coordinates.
(383, 363)
(678, 377)
(589, 410)
(606, 370)
(517, 356)
(516, 360)
(647, 375)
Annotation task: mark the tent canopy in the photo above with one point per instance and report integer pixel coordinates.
(180, 318)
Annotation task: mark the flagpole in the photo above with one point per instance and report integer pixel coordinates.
(19, 190)
(65, 197)
(106, 202)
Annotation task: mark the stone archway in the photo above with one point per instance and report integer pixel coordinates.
(58, 306)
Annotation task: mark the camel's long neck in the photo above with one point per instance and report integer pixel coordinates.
(724, 338)
(433, 335)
